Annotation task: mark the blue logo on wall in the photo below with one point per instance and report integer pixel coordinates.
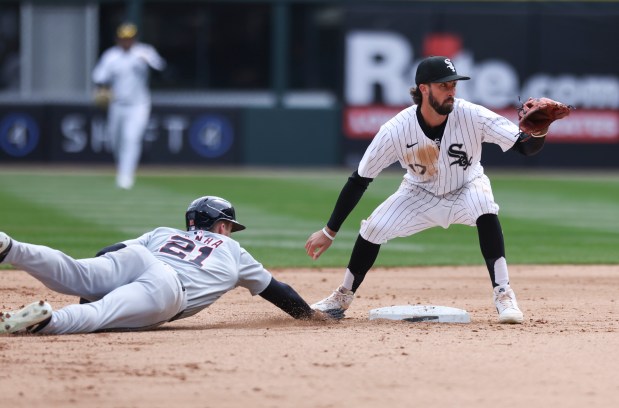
(19, 134)
(211, 136)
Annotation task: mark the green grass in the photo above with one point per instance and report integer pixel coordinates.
(546, 218)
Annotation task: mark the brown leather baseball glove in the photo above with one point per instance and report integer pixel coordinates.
(536, 115)
(102, 97)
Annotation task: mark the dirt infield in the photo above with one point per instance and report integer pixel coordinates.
(243, 352)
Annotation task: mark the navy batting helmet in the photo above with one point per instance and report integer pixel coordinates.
(203, 212)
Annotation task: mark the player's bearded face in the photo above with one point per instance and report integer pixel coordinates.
(442, 108)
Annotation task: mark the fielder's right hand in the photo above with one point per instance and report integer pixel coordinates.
(319, 242)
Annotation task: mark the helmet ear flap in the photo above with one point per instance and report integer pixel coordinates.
(190, 220)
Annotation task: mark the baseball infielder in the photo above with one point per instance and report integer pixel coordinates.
(438, 141)
(125, 69)
(163, 275)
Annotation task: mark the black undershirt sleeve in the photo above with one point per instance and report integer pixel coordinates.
(349, 197)
(528, 145)
(111, 248)
(287, 299)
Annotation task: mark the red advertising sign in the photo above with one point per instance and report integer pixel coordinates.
(582, 126)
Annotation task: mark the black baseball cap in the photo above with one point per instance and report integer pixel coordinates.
(437, 69)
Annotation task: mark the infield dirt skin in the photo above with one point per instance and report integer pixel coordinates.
(244, 352)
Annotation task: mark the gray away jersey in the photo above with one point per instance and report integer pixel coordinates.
(438, 171)
(208, 264)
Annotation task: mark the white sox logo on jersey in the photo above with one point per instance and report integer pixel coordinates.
(450, 65)
(462, 158)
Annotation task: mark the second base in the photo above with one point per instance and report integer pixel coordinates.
(421, 313)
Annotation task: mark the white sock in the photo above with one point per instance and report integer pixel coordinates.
(348, 279)
(501, 276)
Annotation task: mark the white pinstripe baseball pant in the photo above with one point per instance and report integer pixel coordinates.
(412, 209)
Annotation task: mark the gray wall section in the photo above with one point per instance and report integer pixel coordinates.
(59, 46)
(294, 137)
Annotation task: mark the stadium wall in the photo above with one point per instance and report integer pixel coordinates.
(344, 69)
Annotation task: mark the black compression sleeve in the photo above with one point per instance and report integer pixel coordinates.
(491, 241)
(528, 145)
(363, 256)
(287, 299)
(349, 197)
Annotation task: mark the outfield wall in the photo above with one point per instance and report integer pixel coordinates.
(315, 81)
(56, 133)
(231, 136)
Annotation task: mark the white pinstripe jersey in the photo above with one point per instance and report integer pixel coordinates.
(443, 170)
